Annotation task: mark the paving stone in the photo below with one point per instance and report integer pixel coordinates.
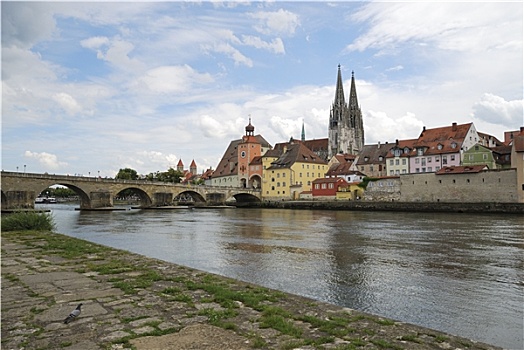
(115, 336)
(144, 330)
(142, 321)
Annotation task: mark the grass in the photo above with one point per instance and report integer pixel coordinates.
(28, 221)
(296, 326)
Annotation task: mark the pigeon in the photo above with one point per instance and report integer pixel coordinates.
(74, 314)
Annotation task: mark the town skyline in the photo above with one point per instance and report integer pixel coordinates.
(92, 87)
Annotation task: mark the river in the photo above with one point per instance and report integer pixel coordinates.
(458, 273)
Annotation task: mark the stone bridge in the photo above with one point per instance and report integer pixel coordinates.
(19, 191)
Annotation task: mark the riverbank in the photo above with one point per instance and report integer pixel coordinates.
(434, 207)
(131, 301)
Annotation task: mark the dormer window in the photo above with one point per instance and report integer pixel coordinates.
(453, 145)
(420, 151)
(380, 158)
(406, 150)
(366, 159)
(439, 146)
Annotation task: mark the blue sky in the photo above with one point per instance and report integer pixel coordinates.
(92, 87)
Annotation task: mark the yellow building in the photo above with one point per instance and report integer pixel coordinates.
(289, 169)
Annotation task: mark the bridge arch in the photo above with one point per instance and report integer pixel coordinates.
(246, 198)
(145, 199)
(195, 197)
(85, 201)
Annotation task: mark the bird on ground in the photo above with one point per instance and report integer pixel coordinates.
(74, 314)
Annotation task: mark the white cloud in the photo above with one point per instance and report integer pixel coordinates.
(174, 79)
(379, 127)
(164, 161)
(467, 27)
(230, 51)
(281, 22)
(94, 42)
(68, 103)
(24, 24)
(47, 160)
(276, 45)
(496, 110)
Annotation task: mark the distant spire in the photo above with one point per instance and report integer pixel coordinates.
(353, 101)
(303, 138)
(339, 92)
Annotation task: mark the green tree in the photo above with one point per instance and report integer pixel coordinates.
(127, 174)
(171, 175)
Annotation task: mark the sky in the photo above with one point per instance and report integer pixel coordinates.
(89, 88)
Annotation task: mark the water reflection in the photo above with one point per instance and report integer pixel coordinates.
(458, 273)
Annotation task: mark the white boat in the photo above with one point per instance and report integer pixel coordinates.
(44, 200)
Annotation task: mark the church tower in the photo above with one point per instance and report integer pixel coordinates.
(346, 129)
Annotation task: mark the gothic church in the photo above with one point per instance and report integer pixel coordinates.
(346, 129)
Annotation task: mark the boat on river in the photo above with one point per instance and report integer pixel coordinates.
(45, 200)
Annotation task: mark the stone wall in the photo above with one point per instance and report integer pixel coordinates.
(487, 186)
(387, 189)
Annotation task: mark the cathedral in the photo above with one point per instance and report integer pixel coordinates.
(346, 129)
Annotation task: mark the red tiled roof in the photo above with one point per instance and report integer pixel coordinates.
(456, 132)
(330, 180)
(295, 152)
(371, 154)
(466, 169)
(518, 141)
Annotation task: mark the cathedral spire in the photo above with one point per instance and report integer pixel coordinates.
(303, 138)
(353, 101)
(339, 92)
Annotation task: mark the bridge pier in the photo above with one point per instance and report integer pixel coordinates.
(162, 199)
(99, 199)
(215, 199)
(18, 200)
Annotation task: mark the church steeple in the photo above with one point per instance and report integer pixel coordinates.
(346, 129)
(339, 91)
(303, 138)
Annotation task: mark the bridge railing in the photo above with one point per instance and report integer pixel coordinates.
(68, 177)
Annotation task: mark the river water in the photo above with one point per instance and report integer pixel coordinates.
(458, 273)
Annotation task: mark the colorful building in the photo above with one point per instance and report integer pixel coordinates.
(289, 169)
(233, 170)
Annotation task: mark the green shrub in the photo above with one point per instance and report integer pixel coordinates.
(28, 220)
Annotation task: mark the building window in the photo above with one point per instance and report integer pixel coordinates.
(278, 184)
(444, 160)
(429, 159)
(420, 151)
(391, 162)
(452, 157)
(417, 160)
(391, 172)
(417, 170)
(403, 171)
(317, 186)
(404, 161)
(283, 184)
(429, 169)
(278, 175)
(283, 174)
(485, 156)
(331, 185)
(437, 168)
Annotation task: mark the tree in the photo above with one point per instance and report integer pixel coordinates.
(127, 174)
(171, 175)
